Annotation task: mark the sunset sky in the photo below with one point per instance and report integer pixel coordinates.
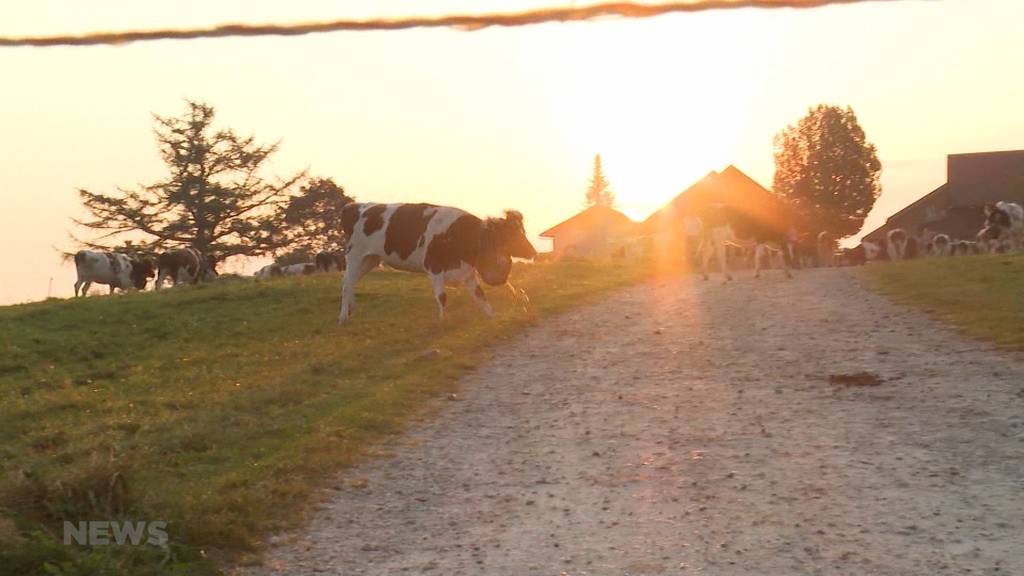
(499, 118)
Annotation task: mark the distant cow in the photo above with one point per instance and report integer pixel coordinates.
(1004, 225)
(448, 244)
(111, 268)
(941, 245)
(896, 245)
(965, 248)
(185, 265)
(301, 269)
(722, 226)
(856, 256)
(875, 250)
(327, 261)
(826, 249)
(268, 271)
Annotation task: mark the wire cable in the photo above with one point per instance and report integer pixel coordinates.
(465, 22)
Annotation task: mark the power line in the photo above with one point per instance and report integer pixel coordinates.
(466, 22)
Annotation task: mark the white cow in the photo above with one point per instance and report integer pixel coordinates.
(1004, 225)
(111, 268)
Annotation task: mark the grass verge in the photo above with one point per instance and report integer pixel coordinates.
(983, 296)
(222, 409)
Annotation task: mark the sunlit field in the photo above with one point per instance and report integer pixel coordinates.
(983, 296)
(222, 409)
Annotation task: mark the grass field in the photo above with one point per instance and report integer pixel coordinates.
(983, 296)
(222, 408)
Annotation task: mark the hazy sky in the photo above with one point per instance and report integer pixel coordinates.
(497, 118)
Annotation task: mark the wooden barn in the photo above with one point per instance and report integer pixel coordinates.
(593, 233)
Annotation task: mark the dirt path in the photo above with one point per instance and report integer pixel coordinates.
(690, 428)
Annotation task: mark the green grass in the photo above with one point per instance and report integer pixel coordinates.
(982, 296)
(222, 409)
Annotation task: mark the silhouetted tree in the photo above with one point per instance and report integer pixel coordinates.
(599, 193)
(828, 170)
(312, 218)
(214, 198)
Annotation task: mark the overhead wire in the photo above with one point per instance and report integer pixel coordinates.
(465, 22)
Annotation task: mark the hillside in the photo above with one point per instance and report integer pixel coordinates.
(219, 409)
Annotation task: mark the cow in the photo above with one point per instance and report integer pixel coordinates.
(941, 245)
(326, 261)
(875, 250)
(856, 256)
(826, 249)
(300, 269)
(185, 265)
(114, 269)
(268, 271)
(896, 245)
(722, 226)
(450, 245)
(965, 248)
(1004, 222)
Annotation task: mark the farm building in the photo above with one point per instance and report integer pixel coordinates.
(956, 207)
(593, 233)
(730, 186)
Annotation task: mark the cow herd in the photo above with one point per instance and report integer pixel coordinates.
(449, 245)
(452, 246)
(125, 272)
(1003, 232)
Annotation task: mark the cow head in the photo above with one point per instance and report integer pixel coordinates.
(996, 216)
(142, 270)
(500, 240)
(208, 268)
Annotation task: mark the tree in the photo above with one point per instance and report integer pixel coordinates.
(599, 193)
(827, 169)
(312, 218)
(214, 199)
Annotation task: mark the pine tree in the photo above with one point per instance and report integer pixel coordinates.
(214, 198)
(599, 193)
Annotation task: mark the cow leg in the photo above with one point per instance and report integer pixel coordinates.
(111, 289)
(478, 294)
(78, 284)
(785, 263)
(437, 284)
(722, 263)
(759, 251)
(86, 286)
(519, 295)
(706, 251)
(160, 277)
(355, 268)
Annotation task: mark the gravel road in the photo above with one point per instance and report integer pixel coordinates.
(686, 427)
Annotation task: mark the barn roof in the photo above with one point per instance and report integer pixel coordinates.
(592, 218)
(730, 186)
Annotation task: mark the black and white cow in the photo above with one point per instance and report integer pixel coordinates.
(722, 226)
(327, 261)
(450, 245)
(111, 268)
(300, 269)
(941, 245)
(269, 271)
(185, 265)
(1004, 226)
(896, 244)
